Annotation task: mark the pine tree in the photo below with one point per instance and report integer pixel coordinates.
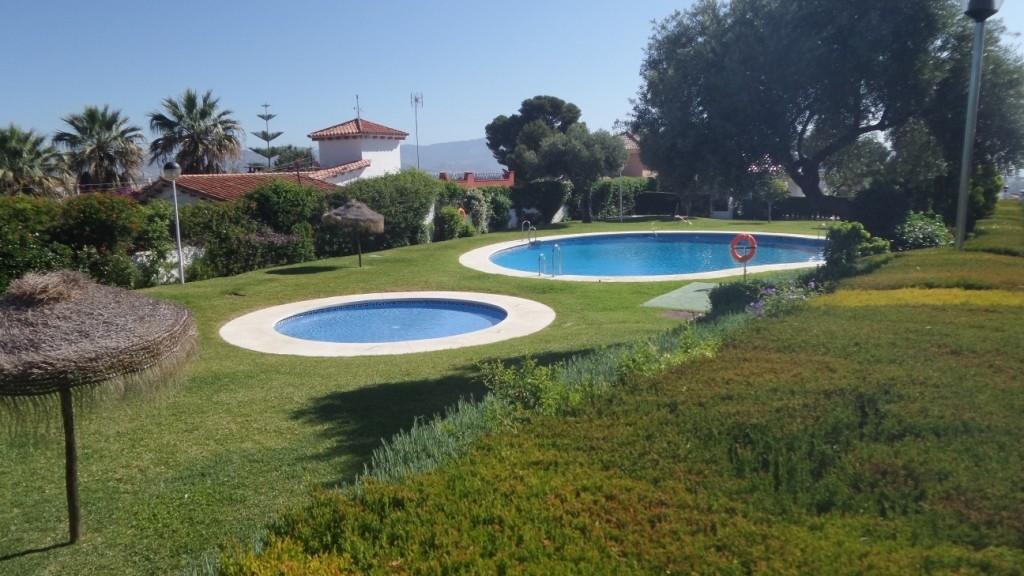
(266, 135)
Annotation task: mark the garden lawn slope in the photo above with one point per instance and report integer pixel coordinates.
(877, 430)
(245, 435)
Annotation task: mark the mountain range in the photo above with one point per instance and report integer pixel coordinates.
(455, 157)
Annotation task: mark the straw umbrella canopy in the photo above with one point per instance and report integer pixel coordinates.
(357, 217)
(61, 333)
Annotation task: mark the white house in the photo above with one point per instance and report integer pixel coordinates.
(357, 149)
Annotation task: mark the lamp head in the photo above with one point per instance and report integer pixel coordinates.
(171, 171)
(981, 10)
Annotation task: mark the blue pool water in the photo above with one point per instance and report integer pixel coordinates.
(391, 321)
(647, 254)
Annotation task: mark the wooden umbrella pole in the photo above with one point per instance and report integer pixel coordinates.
(359, 248)
(70, 464)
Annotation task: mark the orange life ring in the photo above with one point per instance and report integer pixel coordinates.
(751, 248)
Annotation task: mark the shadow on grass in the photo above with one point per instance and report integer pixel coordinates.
(29, 551)
(303, 270)
(357, 421)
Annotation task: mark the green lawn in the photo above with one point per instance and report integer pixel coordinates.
(875, 431)
(247, 435)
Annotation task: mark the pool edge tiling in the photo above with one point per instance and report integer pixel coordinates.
(479, 259)
(256, 330)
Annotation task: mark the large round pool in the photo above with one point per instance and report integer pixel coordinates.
(391, 321)
(642, 256)
(387, 323)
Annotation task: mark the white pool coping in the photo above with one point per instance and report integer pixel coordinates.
(255, 331)
(480, 259)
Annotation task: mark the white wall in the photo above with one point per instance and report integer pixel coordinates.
(383, 154)
(347, 177)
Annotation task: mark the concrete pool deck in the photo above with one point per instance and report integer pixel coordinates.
(255, 330)
(480, 259)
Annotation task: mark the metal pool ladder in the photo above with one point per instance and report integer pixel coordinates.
(556, 260)
(525, 229)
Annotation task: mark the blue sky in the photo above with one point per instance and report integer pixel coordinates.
(472, 60)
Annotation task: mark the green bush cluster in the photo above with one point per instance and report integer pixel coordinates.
(404, 199)
(544, 196)
(921, 230)
(450, 224)
(606, 193)
(478, 209)
(95, 233)
(765, 297)
(848, 241)
(499, 202)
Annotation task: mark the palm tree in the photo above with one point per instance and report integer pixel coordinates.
(29, 165)
(103, 148)
(198, 135)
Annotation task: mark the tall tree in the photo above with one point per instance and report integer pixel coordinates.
(195, 132)
(515, 140)
(855, 167)
(288, 155)
(28, 165)
(103, 149)
(727, 83)
(267, 136)
(582, 157)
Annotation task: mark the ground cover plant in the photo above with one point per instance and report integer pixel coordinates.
(246, 436)
(872, 430)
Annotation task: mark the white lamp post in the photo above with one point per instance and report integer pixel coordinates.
(171, 171)
(979, 11)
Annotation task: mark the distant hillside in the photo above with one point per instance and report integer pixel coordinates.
(462, 156)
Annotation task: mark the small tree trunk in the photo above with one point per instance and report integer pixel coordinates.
(588, 214)
(809, 181)
(359, 249)
(769, 212)
(70, 465)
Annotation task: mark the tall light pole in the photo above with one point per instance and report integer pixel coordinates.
(416, 100)
(172, 171)
(979, 11)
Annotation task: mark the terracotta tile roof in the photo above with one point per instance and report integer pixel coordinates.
(225, 187)
(337, 170)
(357, 128)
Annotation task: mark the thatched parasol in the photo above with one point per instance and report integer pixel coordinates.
(62, 333)
(359, 218)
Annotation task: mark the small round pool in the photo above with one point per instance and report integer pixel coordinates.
(642, 256)
(391, 321)
(387, 323)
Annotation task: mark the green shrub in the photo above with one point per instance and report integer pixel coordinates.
(921, 230)
(499, 202)
(605, 194)
(281, 205)
(881, 208)
(734, 297)
(112, 268)
(206, 223)
(527, 387)
(106, 222)
(545, 196)
(450, 224)
(22, 252)
(404, 199)
(450, 194)
(477, 208)
(848, 241)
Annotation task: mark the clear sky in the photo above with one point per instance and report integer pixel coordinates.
(471, 59)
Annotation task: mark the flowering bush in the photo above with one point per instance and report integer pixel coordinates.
(779, 299)
(922, 230)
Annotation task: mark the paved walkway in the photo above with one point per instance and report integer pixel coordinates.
(693, 298)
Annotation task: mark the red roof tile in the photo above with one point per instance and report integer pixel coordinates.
(225, 187)
(337, 170)
(357, 128)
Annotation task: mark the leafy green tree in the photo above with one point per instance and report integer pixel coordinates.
(103, 149)
(582, 157)
(28, 165)
(726, 83)
(516, 140)
(288, 155)
(853, 168)
(267, 136)
(195, 132)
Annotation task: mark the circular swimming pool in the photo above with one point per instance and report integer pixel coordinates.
(391, 321)
(642, 256)
(387, 323)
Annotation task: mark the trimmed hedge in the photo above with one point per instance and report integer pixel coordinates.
(605, 194)
(545, 196)
(404, 199)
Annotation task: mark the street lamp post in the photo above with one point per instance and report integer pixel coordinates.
(171, 172)
(979, 11)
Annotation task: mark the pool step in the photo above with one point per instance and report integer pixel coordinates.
(693, 298)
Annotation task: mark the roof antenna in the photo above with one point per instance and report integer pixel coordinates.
(359, 111)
